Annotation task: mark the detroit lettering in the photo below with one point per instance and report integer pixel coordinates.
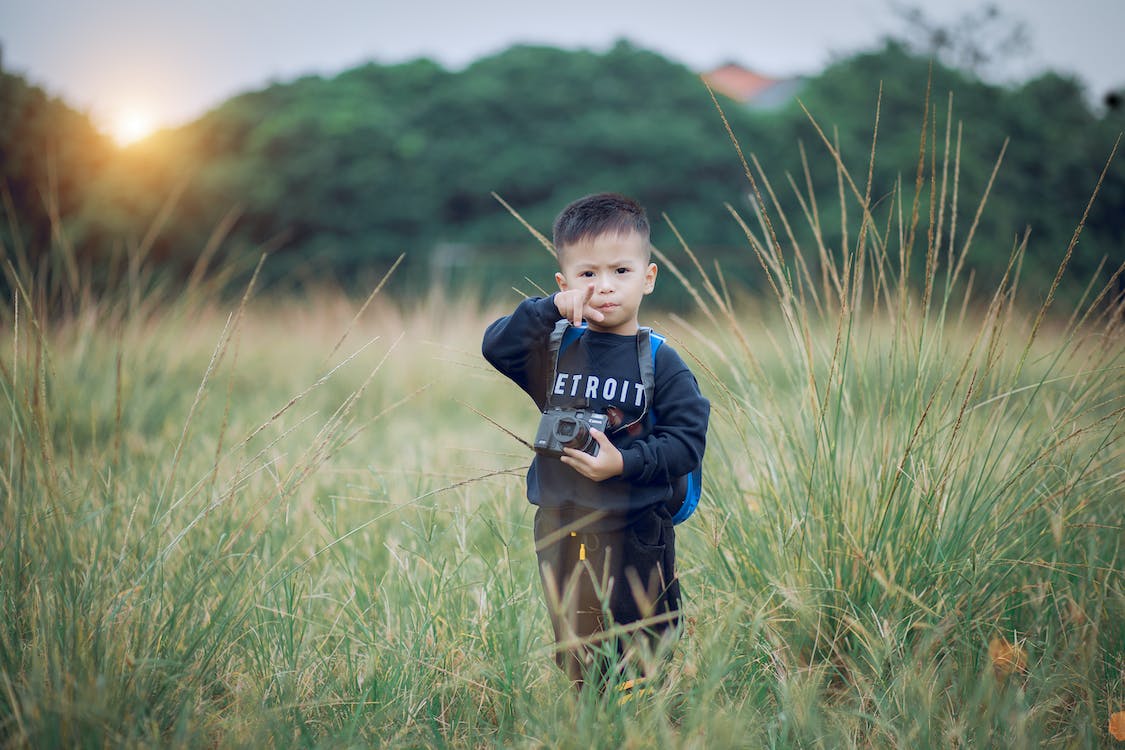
(592, 387)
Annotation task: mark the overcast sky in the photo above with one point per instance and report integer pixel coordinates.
(175, 60)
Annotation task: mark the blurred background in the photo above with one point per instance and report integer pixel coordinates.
(340, 136)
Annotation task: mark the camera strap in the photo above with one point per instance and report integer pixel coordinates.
(565, 334)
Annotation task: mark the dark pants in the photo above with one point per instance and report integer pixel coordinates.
(606, 591)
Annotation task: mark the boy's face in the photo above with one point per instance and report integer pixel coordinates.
(618, 266)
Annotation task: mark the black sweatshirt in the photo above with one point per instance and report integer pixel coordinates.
(601, 371)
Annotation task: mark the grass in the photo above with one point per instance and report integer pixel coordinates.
(279, 522)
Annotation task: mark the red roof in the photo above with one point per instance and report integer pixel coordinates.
(737, 82)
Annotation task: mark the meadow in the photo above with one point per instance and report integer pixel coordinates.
(300, 521)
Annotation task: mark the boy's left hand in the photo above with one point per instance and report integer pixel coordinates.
(608, 463)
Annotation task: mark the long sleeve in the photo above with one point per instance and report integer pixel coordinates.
(516, 345)
(678, 438)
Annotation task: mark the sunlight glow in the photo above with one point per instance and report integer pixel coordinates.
(131, 126)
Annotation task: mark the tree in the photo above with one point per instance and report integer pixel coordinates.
(981, 42)
(337, 176)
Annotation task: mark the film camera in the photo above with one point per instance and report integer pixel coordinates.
(568, 428)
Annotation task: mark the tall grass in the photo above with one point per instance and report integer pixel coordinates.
(928, 505)
(283, 522)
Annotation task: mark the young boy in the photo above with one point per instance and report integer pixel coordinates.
(603, 531)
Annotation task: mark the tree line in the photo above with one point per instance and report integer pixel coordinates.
(337, 176)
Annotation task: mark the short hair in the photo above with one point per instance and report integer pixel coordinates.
(598, 214)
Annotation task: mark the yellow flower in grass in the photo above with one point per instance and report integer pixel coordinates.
(1117, 726)
(1007, 657)
(629, 689)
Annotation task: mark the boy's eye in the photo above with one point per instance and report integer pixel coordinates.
(585, 274)
(624, 269)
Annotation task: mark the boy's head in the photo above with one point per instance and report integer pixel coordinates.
(603, 248)
(598, 214)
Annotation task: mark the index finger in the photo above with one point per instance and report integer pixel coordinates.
(580, 306)
(589, 294)
(584, 304)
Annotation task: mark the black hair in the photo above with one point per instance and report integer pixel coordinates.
(598, 214)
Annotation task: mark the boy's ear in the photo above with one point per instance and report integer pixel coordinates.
(650, 278)
(561, 281)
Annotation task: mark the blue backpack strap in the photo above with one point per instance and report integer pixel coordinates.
(687, 489)
(692, 488)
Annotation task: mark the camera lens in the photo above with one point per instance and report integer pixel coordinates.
(571, 433)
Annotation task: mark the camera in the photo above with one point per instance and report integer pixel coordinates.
(568, 428)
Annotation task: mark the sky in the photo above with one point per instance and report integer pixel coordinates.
(138, 64)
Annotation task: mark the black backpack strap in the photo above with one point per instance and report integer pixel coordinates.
(553, 346)
(556, 338)
(645, 362)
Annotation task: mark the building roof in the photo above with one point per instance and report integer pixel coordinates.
(738, 83)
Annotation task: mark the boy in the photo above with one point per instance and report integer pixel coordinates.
(603, 531)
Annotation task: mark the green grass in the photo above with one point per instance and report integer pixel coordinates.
(279, 522)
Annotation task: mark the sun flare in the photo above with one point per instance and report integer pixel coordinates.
(130, 126)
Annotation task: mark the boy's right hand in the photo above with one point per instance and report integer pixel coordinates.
(574, 304)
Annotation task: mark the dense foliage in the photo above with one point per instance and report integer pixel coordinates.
(338, 176)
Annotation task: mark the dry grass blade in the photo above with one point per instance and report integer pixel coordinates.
(980, 211)
(845, 175)
(234, 365)
(363, 308)
(297, 398)
(337, 421)
(1069, 251)
(774, 273)
(797, 254)
(546, 243)
(868, 220)
(216, 357)
(232, 324)
(919, 180)
(945, 161)
(413, 501)
(828, 270)
(496, 424)
(214, 242)
(776, 246)
(1107, 289)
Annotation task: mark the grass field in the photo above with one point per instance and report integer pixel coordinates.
(284, 522)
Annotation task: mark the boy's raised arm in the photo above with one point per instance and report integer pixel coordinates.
(516, 345)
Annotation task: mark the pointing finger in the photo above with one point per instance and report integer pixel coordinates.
(589, 293)
(591, 312)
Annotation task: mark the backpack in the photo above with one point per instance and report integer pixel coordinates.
(687, 489)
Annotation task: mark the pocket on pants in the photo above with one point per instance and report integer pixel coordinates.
(647, 534)
(639, 592)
